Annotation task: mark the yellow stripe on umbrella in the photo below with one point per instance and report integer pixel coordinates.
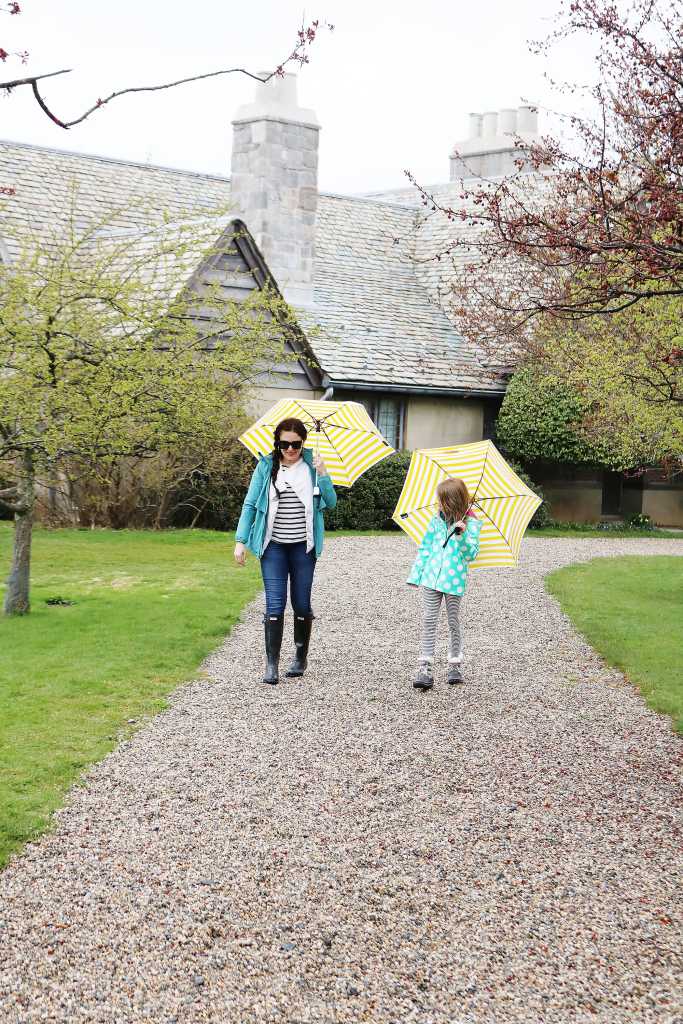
(342, 432)
(502, 501)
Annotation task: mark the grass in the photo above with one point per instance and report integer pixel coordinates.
(629, 609)
(578, 533)
(147, 608)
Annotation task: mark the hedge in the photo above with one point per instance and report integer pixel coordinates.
(541, 418)
(368, 505)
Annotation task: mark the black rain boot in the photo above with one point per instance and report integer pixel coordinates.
(302, 638)
(273, 630)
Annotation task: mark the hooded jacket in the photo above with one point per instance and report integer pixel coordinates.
(443, 557)
(253, 524)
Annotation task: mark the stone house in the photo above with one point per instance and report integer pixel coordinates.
(359, 270)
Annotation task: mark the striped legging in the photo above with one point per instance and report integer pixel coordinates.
(431, 605)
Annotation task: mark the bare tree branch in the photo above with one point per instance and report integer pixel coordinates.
(305, 37)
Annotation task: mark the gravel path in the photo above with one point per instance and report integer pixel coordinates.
(342, 848)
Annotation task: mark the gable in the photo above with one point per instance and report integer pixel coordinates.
(238, 269)
(44, 181)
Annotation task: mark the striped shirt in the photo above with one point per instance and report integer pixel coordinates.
(289, 526)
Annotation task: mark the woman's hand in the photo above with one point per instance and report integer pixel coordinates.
(460, 526)
(240, 553)
(320, 467)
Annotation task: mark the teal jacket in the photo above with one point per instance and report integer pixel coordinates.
(443, 557)
(251, 529)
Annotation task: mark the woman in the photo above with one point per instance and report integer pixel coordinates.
(282, 523)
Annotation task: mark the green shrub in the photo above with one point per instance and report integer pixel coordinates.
(571, 527)
(368, 505)
(542, 417)
(640, 521)
(213, 501)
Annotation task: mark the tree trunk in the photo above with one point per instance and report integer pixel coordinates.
(17, 593)
(162, 508)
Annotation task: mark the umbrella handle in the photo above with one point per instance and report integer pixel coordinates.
(316, 488)
(468, 509)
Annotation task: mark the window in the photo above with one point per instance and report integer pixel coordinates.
(611, 493)
(388, 420)
(491, 410)
(388, 416)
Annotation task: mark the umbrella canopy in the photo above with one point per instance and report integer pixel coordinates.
(343, 433)
(502, 501)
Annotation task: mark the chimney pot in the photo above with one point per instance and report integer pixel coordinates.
(490, 123)
(507, 121)
(491, 149)
(475, 126)
(277, 100)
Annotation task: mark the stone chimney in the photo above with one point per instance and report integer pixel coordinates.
(490, 149)
(274, 182)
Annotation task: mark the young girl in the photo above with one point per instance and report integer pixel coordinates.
(440, 568)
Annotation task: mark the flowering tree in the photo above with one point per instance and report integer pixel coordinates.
(113, 344)
(598, 226)
(297, 55)
(627, 374)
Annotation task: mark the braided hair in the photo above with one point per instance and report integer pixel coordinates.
(297, 427)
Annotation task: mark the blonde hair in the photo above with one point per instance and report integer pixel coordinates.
(453, 498)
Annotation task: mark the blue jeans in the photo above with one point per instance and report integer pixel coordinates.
(280, 562)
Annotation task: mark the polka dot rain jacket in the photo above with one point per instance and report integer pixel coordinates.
(443, 556)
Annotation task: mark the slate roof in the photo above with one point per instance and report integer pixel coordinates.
(380, 323)
(434, 232)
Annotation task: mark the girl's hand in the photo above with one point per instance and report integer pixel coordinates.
(460, 526)
(320, 467)
(240, 553)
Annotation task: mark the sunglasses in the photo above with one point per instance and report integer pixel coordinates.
(284, 445)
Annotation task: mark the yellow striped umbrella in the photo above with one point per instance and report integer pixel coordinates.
(503, 502)
(343, 433)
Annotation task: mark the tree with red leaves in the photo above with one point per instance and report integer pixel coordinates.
(596, 227)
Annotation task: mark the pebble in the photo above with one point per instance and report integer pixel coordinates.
(507, 853)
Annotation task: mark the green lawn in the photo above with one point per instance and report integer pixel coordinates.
(586, 531)
(631, 610)
(147, 608)
(546, 531)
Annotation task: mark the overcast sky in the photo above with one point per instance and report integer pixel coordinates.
(392, 85)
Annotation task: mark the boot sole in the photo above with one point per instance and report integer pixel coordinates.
(423, 686)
